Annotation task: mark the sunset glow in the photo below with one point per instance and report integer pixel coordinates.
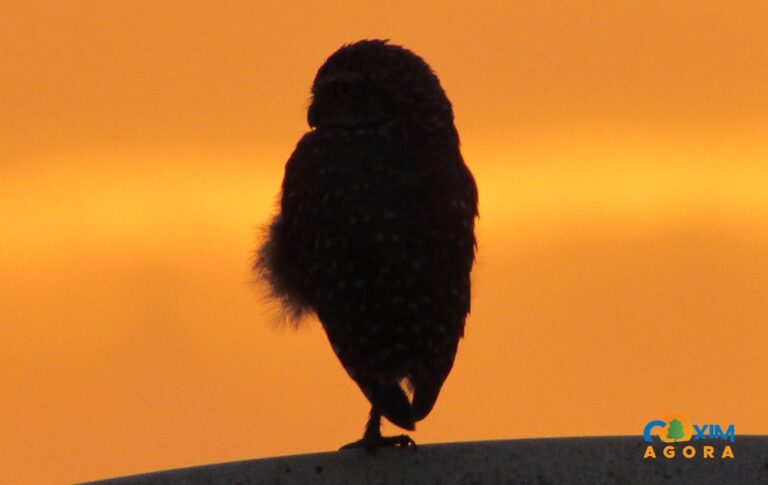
(621, 153)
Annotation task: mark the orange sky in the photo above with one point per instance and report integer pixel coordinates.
(620, 153)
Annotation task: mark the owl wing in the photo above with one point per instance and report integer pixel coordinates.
(281, 259)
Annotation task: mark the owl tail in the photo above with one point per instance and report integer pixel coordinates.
(391, 401)
(427, 385)
(424, 398)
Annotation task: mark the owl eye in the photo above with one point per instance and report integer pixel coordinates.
(343, 89)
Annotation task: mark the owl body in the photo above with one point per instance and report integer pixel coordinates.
(376, 235)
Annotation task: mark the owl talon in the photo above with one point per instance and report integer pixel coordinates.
(372, 439)
(371, 444)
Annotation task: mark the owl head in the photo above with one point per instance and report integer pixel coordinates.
(371, 84)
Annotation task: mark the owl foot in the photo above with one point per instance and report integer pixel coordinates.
(372, 439)
(372, 443)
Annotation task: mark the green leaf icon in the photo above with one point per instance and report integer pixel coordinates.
(675, 431)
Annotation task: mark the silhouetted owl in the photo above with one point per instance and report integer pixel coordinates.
(375, 232)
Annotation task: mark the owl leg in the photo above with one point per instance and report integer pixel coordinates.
(372, 438)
